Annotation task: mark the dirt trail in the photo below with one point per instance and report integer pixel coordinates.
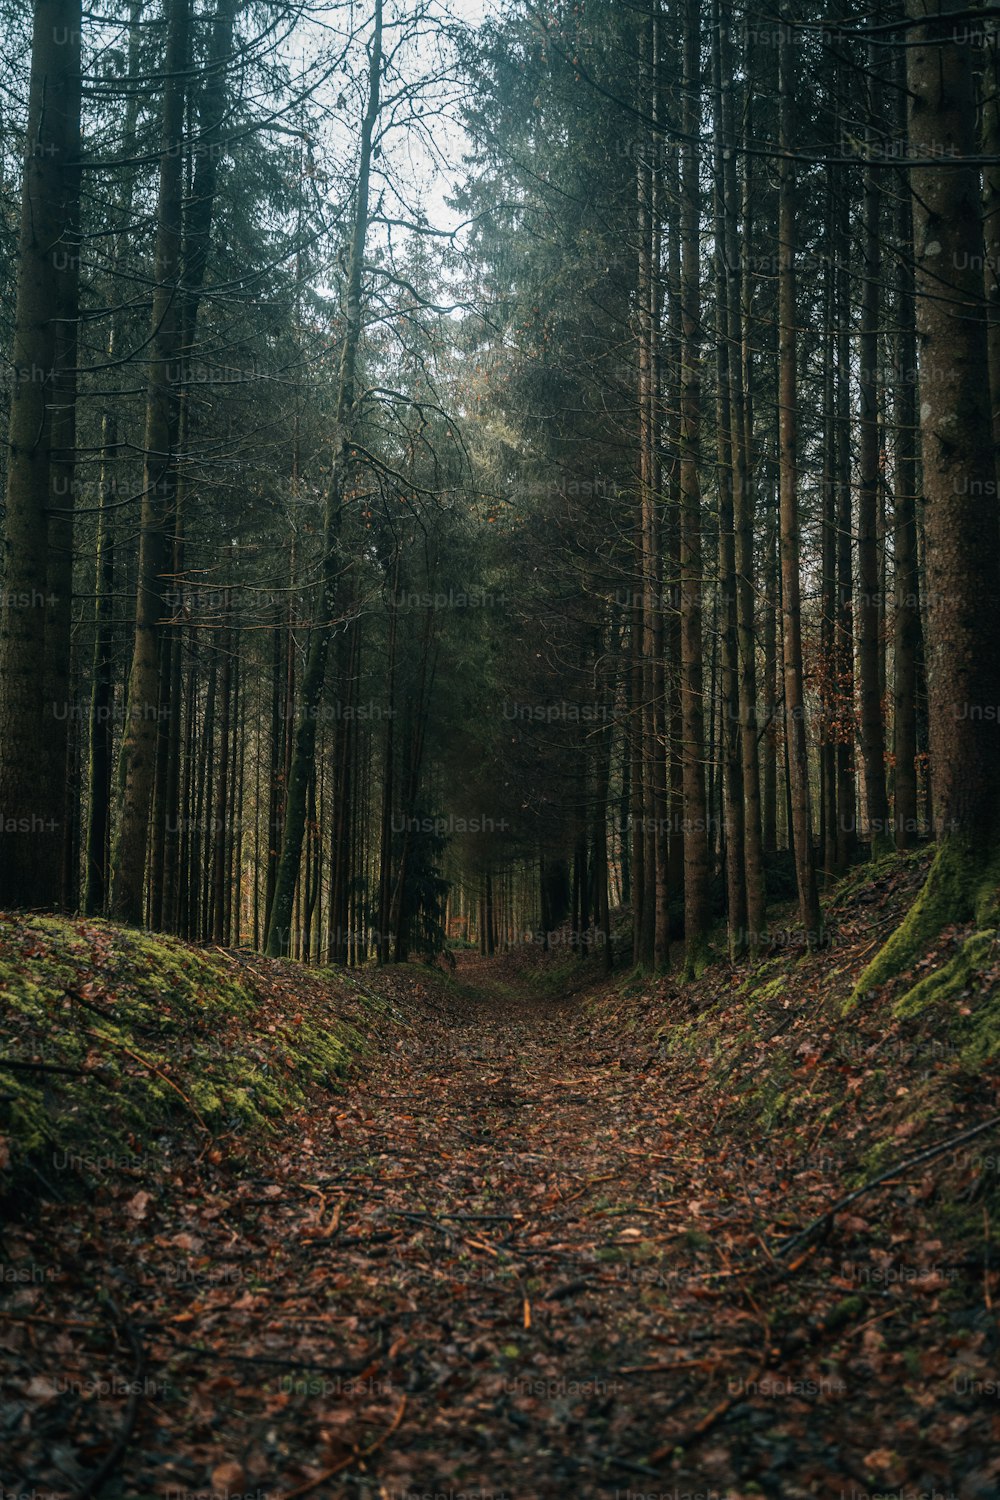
(508, 1263)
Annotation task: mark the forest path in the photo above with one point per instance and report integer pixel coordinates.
(513, 1260)
(499, 1269)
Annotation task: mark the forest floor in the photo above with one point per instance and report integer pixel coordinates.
(542, 1242)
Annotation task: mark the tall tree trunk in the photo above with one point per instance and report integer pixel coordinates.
(138, 751)
(738, 271)
(637, 805)
(673, 749)
(388, 781)
(907, 623)
(728, 354)
(962, 536)
(646, 521)
(202, 809)
(599, 821)
(63, 484)
(659, 769)
(869, 501)
(275, 781)
(795, 725)
(183, 913)
(234, 883)
(97, 845)
(696, 903)
(768, 734)
(990, 116)
(399, 907)
(198, 214)
(844, 624)
(959, 472)
(829, 687)
(222, 811)
(97, 839)
(645, 896)
(33, 623)
(345, 746)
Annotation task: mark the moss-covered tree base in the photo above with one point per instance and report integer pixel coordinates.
(958, 978)
(961, 886)
(697, 957)
(882, 846)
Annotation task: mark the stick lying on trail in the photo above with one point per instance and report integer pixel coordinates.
(823, 1222)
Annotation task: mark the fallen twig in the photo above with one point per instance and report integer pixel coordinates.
(356, 1457)
(101, 1037)
(822, 1223)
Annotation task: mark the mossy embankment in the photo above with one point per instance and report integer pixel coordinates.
(113, 1041)
(820, 1073)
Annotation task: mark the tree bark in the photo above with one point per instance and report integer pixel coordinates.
(738, 270)
(33, 622)
(795, 725)
(959, 474)
(728, 355)
(869, 616)
(138, 751)
(696, 904)
(907, 623)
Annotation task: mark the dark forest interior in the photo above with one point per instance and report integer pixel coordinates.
(499, 694)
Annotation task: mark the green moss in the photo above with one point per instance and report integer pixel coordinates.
(753, 980)
(683, 1038)
(959, 882)
(873, 871)
(180, 1033)
(846, 1311)
(206, 1098)
(697, 957)
(948, 981)
(29, 1122)
(771, 990)
(981, 1033)
(771, 1100)
(882, 846)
